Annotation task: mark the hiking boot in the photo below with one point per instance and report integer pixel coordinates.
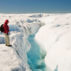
(9, 45)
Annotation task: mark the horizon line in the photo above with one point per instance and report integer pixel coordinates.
(30, 12)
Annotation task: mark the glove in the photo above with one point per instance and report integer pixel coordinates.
(7, 33)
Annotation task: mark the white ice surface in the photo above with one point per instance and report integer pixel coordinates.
(55, 37)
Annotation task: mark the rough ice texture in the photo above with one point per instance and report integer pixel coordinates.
(54, 38)
(21, 27)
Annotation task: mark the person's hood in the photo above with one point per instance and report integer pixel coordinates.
(6, 21)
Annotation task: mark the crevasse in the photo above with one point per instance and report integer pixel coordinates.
(27, 49)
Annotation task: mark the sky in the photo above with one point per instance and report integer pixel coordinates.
(30, 6)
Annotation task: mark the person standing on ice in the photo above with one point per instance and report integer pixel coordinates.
(6, 32)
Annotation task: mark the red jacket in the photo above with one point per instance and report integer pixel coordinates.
(6, 27)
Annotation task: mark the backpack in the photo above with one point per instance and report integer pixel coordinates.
(1, 28)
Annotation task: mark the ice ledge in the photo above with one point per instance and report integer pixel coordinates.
(8, 59)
